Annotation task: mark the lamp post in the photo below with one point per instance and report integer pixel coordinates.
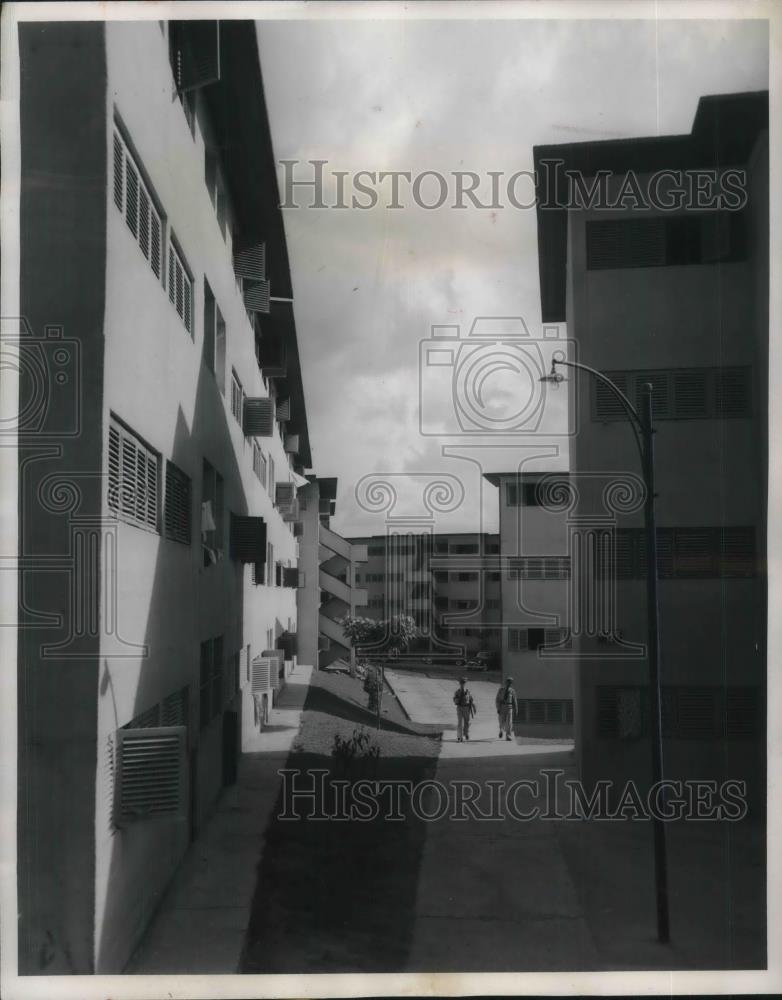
(643, 432)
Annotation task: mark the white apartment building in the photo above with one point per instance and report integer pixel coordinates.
(158, 542)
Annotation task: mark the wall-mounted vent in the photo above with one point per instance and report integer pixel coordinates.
(151, 774)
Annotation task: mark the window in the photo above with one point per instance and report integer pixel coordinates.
(237, 397)
(214, 338)
(662, 241)
(133, 480)
(685, 553)
(688, 713)
(178, 505)
(539, 712)
(540, 568)
(180, 287)
(269, 565)
(257, 460)
(678, 393)
(376, 550)
(465, 577)
(492, 604)
(216, 187)
(212, 534)
(463, 549)
(271, 487)
(211, 680)
(133, 199)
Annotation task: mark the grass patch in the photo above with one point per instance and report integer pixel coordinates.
(337, 896)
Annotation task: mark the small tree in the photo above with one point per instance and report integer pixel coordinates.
(392, 634)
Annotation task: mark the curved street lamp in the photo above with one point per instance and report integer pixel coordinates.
(643, 432)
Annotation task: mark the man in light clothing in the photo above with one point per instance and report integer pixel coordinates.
(507, 707)
(465, 710)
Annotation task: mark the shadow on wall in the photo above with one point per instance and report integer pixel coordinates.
(184, 600)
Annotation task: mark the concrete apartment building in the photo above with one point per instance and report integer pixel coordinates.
(448, 582)
(162, 433)
(536, 646)
(329, 564)
(679, 299)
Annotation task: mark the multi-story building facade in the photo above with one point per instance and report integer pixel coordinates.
(535, 569)
(669, 287)
(158, 461)
(448, 582)
(330, 565)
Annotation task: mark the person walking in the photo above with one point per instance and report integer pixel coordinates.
(507, 707)
(465, 710)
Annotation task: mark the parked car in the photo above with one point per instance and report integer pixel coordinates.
(484, 660)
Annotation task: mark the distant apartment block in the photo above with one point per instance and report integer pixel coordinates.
(449, 583)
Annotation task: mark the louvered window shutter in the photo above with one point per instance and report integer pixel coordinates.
(283, 410)
(298, 529)
(690, 394)
(151, 774)
(133, 477)
(250, 262)
(131, 198)
(114, 467)
(660, 391)
(606, 404)
(195, 53)
(624, 243)
(119, 172)
(257, 296)
(731, 392)
(292, 444)
(178, 504)
(248, 539)
(258, 417)
(698, 714)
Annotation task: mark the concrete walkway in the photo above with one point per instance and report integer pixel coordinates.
(201, 923)
(430, 700)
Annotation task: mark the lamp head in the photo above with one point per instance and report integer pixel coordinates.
(553, 375)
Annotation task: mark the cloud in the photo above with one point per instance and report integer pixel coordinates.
(449, 96)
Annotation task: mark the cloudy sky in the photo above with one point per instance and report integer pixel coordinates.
(369, 285)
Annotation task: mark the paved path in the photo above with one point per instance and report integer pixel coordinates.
(202, 920)
(430, 700)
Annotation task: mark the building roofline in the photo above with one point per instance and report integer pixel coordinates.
(723, 133)
(237, 108)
